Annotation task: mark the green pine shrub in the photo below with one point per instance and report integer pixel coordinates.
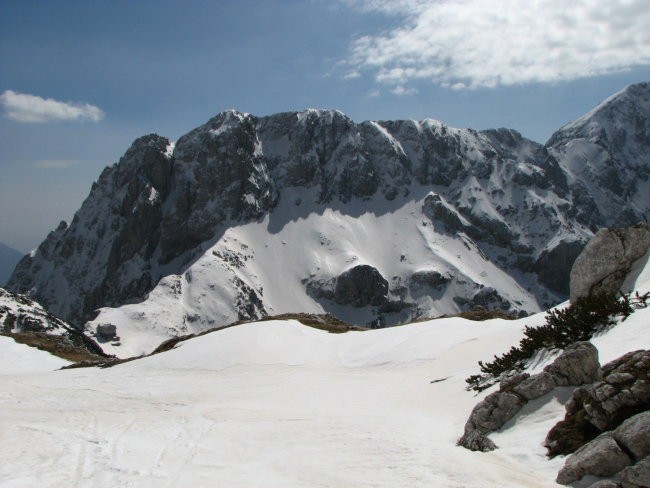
(578, 322)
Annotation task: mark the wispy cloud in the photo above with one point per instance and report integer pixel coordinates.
(31, 108)
(56, 163)
(465, 44)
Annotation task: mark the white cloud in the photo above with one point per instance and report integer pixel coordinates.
(351, 75)
(56, 163)
(487, 43)
(31, 108)
(402, 90)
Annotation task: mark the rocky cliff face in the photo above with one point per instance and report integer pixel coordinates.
(28, 322)
(514, 211)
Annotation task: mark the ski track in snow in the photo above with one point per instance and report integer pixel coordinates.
(276, 404)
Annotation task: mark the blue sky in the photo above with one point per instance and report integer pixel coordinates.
(79, 80)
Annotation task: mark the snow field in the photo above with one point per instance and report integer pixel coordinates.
(277, 404)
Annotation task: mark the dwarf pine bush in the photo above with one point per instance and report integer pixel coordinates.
(578, 322)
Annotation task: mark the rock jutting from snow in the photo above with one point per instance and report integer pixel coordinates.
(606, 260)
(577, 365)
(106, 332)
(600, 457)
(623, 391)
(360, 286)
(621, 453)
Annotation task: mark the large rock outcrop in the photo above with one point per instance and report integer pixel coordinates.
(621, 454)
(607, 258)
(577, 365)
(623, 391)
(26, 321)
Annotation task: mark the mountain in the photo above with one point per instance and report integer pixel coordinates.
(376, 223)
(26, 321)
(9, 257)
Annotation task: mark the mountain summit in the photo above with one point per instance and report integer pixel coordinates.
(377, 223)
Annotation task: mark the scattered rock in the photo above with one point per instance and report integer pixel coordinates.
(489, 298)
(600, 457)
(428, 278)
(475, 440)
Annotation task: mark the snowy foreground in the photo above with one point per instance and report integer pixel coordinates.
(277, 404)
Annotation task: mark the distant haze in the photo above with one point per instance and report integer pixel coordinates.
(9, 257)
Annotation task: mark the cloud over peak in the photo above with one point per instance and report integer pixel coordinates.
(488, 43)
(22, 107)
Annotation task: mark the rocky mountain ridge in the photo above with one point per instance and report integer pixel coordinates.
(202, 232)
(27, 322)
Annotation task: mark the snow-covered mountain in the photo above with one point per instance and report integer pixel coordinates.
(376, 223)
(27, 321)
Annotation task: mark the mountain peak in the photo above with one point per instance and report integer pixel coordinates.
(616, 112)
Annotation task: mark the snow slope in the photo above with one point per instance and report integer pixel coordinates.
(19, 359)
(276, 404)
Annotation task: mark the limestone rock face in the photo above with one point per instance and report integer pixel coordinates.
(104, 256)
(23, 317)
(606, 260)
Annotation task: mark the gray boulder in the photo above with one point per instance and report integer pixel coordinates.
(577, 365)
(634, 435)
(536, 386)
(475, 440)
(106, 331)
(600, 457)
(637, 476)
(605, 484)
(606, 260)
(489, 415)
